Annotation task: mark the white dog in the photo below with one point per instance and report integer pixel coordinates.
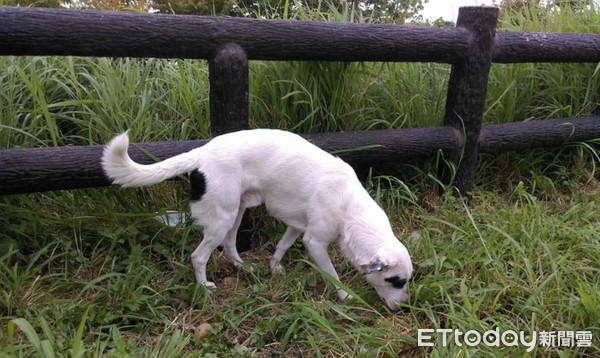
(308, 189)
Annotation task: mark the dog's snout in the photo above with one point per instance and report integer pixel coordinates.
(397, 303)
(399, 307)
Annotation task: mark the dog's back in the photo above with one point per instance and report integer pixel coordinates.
(293, 176)
(257, 149)
(264, 147)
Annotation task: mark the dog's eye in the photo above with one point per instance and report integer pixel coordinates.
(396, 281)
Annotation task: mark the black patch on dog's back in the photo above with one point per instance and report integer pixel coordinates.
(396, 281)
(197, 185)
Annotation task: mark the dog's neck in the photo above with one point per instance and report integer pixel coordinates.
(366, 232)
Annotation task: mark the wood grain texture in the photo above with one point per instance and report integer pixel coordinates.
(518, 136)
(44, 169)
(229, 87)
(467, 90)
(70, 167)
(35, 31)
(519, 47)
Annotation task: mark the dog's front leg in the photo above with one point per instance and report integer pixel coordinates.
(288, 239)
(317, 249)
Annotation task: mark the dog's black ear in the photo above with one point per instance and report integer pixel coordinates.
(376, 266)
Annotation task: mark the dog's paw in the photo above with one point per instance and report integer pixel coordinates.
(276, 267)
(246, 269)
(209, 285)
(344, 295)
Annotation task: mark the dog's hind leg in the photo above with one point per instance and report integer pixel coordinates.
(230, 242)
(217, 222)
(287, 240)
(248, 199)
(213, 237)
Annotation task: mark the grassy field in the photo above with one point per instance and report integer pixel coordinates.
(88, 273)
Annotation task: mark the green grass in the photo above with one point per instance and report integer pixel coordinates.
(108, 278)
(91, 272)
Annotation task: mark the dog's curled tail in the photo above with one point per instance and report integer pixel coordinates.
(122, 170)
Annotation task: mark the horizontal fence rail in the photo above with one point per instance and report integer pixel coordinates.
(519, 47)
(122, 34)
(549, 133)
(75, 167)
(72, 167)
(229, 43)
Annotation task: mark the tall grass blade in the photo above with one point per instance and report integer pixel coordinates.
(77, 345)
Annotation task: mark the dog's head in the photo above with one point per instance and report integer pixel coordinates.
(389, 273)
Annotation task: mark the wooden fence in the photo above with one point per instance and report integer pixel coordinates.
(229, 43)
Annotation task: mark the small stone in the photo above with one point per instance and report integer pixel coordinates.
(415, 235)
(229, 281)
(202, 330)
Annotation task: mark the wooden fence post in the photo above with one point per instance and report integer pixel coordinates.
(228, 76)
(467, 89)
(229, 86)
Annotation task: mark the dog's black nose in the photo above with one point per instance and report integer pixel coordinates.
(403, 308)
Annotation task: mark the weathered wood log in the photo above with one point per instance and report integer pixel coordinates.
(34, 31)
(28, 31)
(229, 84)
(71, 167)
(516, 47)
(467, 89)
(373, 148)
(518, 136)
(43, 169)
